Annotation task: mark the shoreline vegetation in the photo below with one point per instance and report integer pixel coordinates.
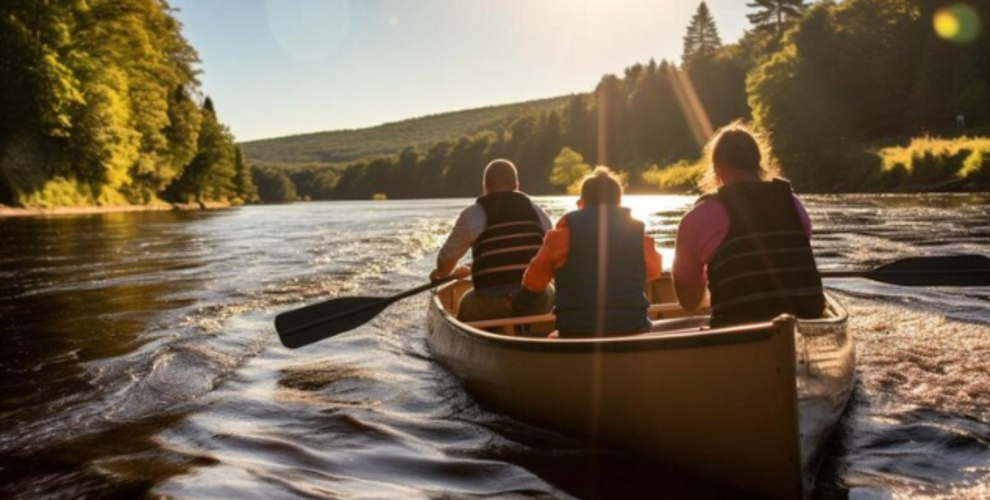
(8, 212)
(102, 107)
(863, 96)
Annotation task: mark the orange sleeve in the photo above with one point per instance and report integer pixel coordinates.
(551, 257)
(653, 262)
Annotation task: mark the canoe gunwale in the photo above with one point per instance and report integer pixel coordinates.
(756, 332)
(838, 316)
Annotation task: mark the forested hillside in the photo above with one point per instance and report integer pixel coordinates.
(349, 145)
(100, 105)
(843, 89)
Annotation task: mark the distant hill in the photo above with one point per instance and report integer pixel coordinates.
(345, 146)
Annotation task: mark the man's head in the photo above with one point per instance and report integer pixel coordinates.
(500, 175)
(600, 187)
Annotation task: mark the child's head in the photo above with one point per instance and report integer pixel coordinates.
(737, 150)
(600, 187)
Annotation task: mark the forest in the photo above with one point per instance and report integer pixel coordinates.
(100, 105)
(862, 95)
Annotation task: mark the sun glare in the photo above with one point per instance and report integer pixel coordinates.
(643, 207)
(958, 23)
(694, 111)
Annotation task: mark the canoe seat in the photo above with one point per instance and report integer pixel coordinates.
(508, 325)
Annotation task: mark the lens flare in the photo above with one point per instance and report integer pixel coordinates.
(958, 23)
(309, 30)
(694, 111)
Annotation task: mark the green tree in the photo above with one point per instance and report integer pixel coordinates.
(467, 163)
(210, 176)
(273, 185)
(569, 169)
(793, 102)
(38, 91)
(314, 182)
(98, 99)
(130, 58)
(244, 187)
(185, 120)
(701, 39)
(775, 15)
(38, 86)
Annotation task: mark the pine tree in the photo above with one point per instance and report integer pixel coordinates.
(244, 186)
(210, 175)
(775, 14)
(702, 38)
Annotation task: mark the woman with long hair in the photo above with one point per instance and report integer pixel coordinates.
(747, 241)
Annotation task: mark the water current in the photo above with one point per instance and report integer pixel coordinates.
(138, 359)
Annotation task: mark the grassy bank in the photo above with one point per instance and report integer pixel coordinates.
(921, 164)
(930, 163)
(6, 211)
(63, 196)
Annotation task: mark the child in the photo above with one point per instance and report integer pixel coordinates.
(601, 259)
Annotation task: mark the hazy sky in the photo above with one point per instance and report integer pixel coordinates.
(282, 67)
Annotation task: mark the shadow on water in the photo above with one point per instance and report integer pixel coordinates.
(78, 291)
(590, 470)
(121, 462)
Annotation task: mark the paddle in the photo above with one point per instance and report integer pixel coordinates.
(957, 270)
(316, 322)
(326, 319)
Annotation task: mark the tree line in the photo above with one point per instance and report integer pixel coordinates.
(100, 104)
(639, 105)
(831, 83)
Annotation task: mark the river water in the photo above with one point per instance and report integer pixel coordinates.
(139, 359)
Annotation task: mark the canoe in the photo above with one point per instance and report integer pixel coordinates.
(748, 406)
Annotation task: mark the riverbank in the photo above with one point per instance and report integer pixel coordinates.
(6, 211)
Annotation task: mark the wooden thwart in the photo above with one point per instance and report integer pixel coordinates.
(549, 318)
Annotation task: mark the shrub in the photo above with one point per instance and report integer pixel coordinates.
(682, 176)
(929, 161)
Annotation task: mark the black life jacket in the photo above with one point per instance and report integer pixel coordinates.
(606, 243)
(765, 267)
(512, 237)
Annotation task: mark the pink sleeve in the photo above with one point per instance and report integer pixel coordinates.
(699, 235)
(701, 232)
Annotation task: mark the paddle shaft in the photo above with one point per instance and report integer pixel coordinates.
(872, 274)
(382, 304)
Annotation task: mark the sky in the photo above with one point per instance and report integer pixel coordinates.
(285, 67)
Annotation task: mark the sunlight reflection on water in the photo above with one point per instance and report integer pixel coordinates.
(160, 370)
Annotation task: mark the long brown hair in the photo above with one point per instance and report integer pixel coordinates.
(739, 147)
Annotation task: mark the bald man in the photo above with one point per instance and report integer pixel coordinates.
(504, 230)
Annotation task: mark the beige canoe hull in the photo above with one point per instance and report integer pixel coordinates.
(722, 403)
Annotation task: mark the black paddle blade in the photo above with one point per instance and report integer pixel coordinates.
(313, 323)
(959, 270)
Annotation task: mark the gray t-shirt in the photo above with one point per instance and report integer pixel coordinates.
(470, 224)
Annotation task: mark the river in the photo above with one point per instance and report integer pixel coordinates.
(139, 359)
